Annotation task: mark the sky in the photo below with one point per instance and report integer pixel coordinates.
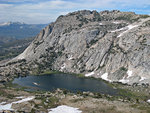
(46, 11)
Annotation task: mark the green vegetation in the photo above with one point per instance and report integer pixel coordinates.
(97, 16)
(84, 20)
(111, 109)
(131, 17)
(144, 16)
(146, 108)
(80, 75)
(10, 85)
(45, 72)
(147, 23)
(128, 17)
(142, 107)
(10, 47)
(97, 95)
(51, 99)
(4, 93)
(80, 25)
(93, 41)
(127, 94)
(123, 69)
(77, 100)
(48, 102)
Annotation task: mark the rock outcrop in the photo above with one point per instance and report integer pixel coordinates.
(111, 45)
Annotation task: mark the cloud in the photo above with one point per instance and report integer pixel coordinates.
(19, 1)
(39, 11)
(4, 6)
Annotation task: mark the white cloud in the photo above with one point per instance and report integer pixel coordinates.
(4, 6)
(46, 11)
(16, 1)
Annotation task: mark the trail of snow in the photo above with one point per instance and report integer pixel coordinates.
(64, 109)
(5, 24)
(105, 77)
(129, 27)
(116, 22)
(89, 74)
(142, 78)
(129, 73)
(124, 80)
(24, 100)
(148, 101)
(2, 103)
(70, 58)
(8, 106)
(124, 28)
(21, 97)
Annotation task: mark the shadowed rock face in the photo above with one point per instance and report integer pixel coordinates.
(112, 45)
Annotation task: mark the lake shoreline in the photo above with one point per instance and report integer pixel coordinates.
(74, 83)
(131, 98)
(81, 100)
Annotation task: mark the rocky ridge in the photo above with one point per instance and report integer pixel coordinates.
(111, 45)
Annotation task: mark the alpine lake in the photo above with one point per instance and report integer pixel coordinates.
(72, 83)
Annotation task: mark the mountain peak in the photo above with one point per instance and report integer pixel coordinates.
(5, 24)
(10, 23)
(108, 45)
(20, 29)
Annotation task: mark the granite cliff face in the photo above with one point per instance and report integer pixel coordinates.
(111, 45)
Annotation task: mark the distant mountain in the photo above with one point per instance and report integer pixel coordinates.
(11, 47)
(20, 30)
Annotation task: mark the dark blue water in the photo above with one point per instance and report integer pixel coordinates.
(65, 81)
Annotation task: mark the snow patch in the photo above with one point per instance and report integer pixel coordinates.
(70, 58)
(2, 103)
(100, 23)
(8, 106)
(148, 100)
(5, 24)
(35, 83)
(129, 73)
(129, 27)
(24, 100)
(124, 28)
(116, 22)
(124, 81)
(142, 78)
(89, 74)
(63, 66)
(21, 97)
(64, 109)
(105, 77)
